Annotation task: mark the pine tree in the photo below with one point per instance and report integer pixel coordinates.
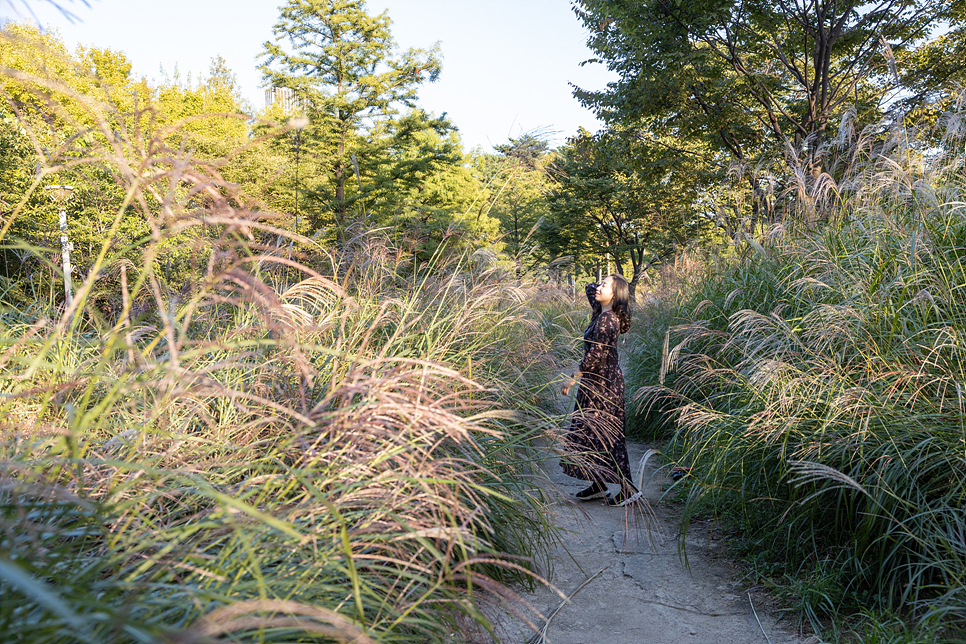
(340, 61)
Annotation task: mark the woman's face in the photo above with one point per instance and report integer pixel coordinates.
(605, 292)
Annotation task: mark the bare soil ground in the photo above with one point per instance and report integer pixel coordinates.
(627, 582)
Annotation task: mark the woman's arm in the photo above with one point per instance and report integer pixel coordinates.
(591, 291)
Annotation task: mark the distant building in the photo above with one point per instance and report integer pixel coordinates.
(284, 98)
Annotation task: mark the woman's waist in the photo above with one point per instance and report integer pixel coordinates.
(604, 374)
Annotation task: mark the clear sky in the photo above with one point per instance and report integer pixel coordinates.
(506, 63)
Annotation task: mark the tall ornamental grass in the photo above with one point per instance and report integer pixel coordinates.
(655, 312)
(820, 388)
(287, 443)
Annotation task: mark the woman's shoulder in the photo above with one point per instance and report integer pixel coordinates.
(613, 320)
(608, 318)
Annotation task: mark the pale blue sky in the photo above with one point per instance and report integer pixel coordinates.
(506, 67)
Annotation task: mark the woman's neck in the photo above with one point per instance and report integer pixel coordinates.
(608, 307)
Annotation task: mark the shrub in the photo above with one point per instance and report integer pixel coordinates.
(819, 387)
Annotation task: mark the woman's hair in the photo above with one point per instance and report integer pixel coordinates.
(622, 298)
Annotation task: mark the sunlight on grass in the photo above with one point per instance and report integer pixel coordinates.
(817, 385)
(294, 442)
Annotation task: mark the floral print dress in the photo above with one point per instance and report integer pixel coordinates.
(596, 441)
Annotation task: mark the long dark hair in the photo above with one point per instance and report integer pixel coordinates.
(622, 298)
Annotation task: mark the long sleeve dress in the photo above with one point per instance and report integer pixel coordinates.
(596, 441)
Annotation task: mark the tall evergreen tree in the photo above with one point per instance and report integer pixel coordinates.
(522, 197)
(342, 65)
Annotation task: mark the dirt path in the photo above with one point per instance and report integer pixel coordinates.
(633, 586)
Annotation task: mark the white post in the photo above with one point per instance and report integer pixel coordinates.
(65, 247)
(61, 194)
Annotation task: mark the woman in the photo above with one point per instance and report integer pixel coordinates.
(596, 434)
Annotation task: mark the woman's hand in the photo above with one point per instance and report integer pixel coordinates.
(570, 382)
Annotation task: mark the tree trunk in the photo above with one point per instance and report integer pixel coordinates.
(637, 266)
(340, 208)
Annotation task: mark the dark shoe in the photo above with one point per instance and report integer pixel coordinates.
(622, 500)
(595, 491)
(678, 473)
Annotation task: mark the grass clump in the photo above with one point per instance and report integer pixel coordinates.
(287, 442)
(818, 389)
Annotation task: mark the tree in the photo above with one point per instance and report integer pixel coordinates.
(419, 183)
(60, 119)
(82, 120)
(209, 118)
(617, 196)
(339, 61)
(935, 74)
(209, 112)
(522, 184)
(782, 69)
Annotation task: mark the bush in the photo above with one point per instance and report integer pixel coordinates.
(818, 389)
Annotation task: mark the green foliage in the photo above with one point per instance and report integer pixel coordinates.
(272, 451)
(652, 419)
(518, 181)
(76, 119)
(374, 493)
(616, 196)
(423, 188)
(233, 431)
(366, 155)
(890, 629)
(936, 72)
(340, 63)
(207, 117)
(744, 71)
(755, 89)
(413, 175)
